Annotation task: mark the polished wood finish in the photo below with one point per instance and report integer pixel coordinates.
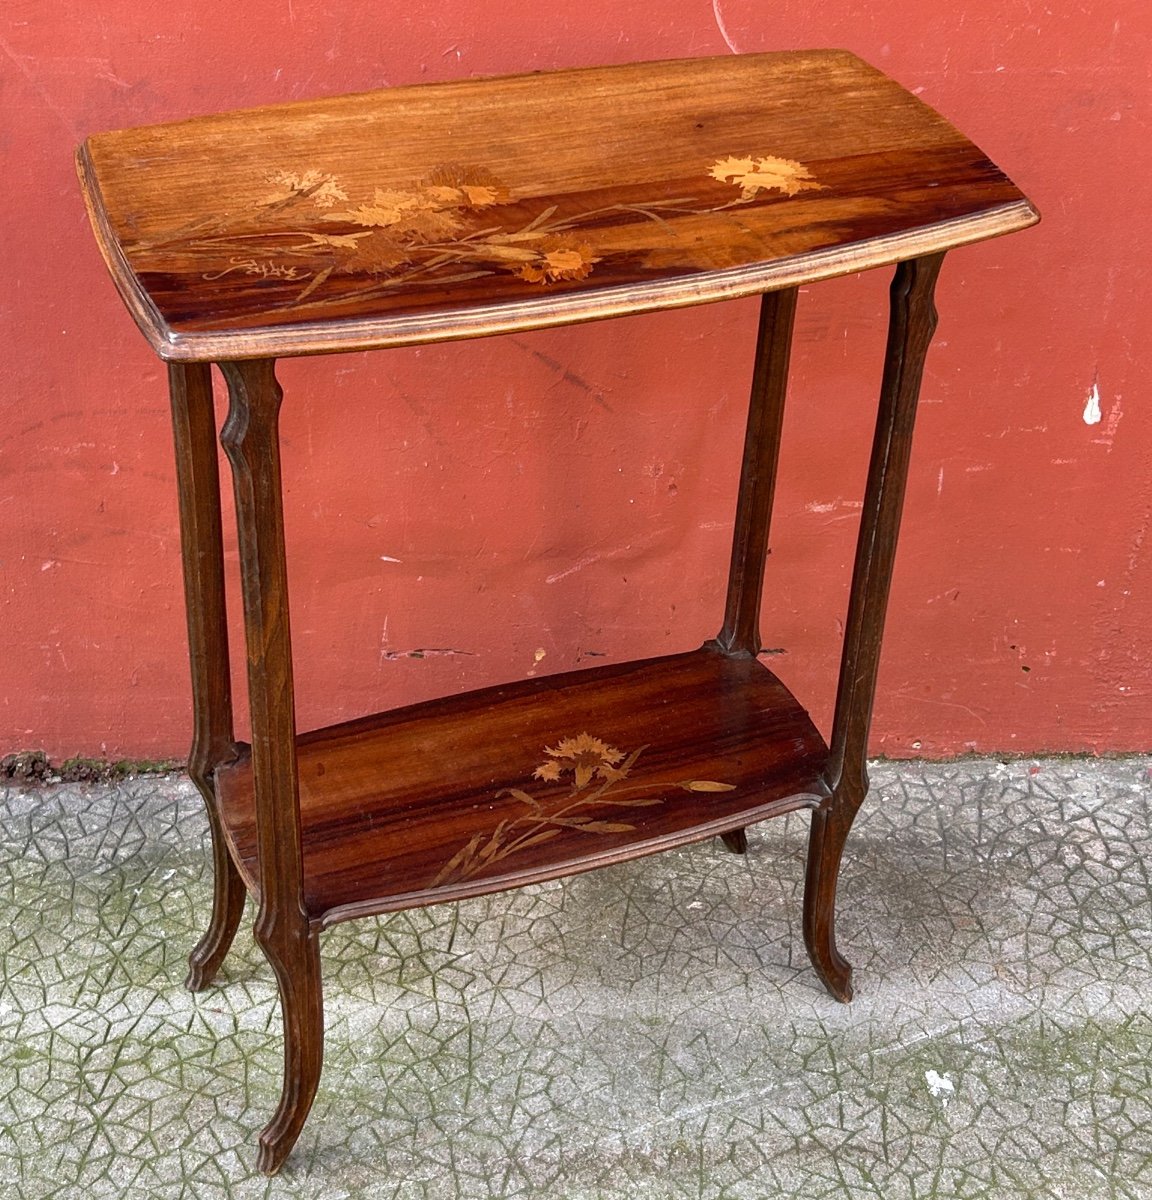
(455, 210)
(483, 206)
(741, 631)
(251, 440)
(911, 325)
(534, 780)
(198, 487)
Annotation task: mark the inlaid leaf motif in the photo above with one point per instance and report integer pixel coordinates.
(523, 797)
(388, 207)
(537, 838)
(770, 173)
(314, 283)
(475, 187)
(419, 214)
(322, 189)
(480, 195)
(458, 860)
(343, 241)
(379, 252)
(497, 252)
(559, 260)
(707, 785)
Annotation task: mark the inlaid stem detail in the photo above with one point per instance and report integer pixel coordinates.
(592, 769)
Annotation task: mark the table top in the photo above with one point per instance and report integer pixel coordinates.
(438, 211)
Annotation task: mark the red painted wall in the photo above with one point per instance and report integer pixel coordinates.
(530, 503)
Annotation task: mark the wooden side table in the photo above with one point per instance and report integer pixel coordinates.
(457, 210)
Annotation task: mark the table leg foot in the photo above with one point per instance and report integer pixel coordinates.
(912, 321)
(296, 962)
(202, 544)
(227, 908)
(736, 840)
(825, 847)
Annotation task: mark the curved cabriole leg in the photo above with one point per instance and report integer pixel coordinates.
(911, 324)
(825, 849)
(295, 958)
(228, 895)
(251, 439)
(194, 428)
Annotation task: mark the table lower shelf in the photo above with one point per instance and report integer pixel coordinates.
(534, 780)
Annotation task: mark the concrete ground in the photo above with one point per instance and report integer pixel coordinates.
(650, 1030)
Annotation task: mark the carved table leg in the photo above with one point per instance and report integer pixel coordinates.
(741, 631)
(194, 426)
(911, 325)
(251, 439)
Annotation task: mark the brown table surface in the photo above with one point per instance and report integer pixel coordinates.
(447, 210)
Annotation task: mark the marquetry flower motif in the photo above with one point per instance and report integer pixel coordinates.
(771, 174)
(456, 223)
(431, 211)
(427, 229)
(584, 756)
(559, 258)
(593, 771)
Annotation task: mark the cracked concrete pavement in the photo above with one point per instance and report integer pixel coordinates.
(649, 1030)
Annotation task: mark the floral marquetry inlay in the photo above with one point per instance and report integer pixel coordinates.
(457, 223)
(592, 773)
(480, 206)
(770, 174)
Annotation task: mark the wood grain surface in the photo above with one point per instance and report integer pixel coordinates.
(481, 206)
(536, 779)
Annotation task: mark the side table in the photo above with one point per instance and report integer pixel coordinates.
(421, 214)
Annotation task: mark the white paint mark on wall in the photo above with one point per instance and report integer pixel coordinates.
(941, 1087)
(1092, 414)
(940, 483)
(723, 28)
(389, 558)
